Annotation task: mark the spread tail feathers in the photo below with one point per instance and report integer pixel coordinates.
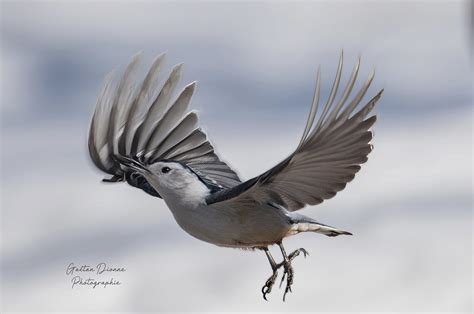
(302, 223)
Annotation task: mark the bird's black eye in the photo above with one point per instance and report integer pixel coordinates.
(165, 169)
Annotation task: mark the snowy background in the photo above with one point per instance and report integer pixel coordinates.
(409, 207)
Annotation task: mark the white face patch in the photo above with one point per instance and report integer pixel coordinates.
(177, 183)
(165, 167)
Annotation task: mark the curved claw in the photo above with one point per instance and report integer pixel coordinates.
(264, 292)
(267, 288)
(289, 278)
(282, 278)
(288, 288)
(297, 252)
(305, 253)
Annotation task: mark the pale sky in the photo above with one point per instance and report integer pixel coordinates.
(409, 207)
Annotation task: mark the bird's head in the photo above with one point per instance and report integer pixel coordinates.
(172, 180)
(171, 175)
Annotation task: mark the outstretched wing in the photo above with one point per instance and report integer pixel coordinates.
(139, 120)
(328, 156)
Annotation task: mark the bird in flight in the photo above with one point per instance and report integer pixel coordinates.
(142, 134)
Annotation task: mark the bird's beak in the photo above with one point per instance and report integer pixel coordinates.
(132, 164)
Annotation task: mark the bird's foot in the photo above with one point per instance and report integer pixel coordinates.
(288, 271)
(297, 252)
(267, 288)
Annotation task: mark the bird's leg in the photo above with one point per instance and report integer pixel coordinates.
(287, 272)
(288, 268)
(267, 288)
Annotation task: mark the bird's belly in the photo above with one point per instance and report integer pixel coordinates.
(230, 227)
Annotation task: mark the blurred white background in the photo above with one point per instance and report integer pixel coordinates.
(409, 207)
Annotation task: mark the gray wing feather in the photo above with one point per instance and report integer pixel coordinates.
(138, 122)
(332, 95)
(314, 107)
(168, 122)
(140, 105)
(197, 152)
(99, 128)
(185, 127)
(121, 103)
(328, 157)
(193, 140)
(156, 111)
(346, 93)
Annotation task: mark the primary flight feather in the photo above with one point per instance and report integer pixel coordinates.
(142, 133)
